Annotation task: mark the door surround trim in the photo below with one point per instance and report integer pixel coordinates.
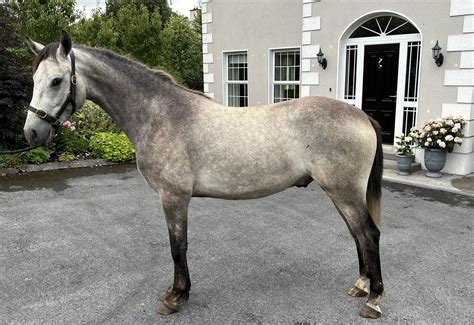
(402, 40)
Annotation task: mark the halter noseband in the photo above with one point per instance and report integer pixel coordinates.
(71, 99)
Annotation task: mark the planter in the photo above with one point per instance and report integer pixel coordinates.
(404, 164)
(435, 160)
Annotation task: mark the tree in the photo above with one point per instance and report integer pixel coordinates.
(139, 33)
(182, 51)
(113, 6)
(15, 81)
(43, 20)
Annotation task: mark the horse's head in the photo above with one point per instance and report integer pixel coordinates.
(57, 92)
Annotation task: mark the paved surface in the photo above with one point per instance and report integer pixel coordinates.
(448, 183)
(90, 245)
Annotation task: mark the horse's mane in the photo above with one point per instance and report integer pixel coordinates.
(165, 76)
(50, 50)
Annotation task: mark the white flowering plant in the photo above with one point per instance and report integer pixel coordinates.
(405, 143)
(442, 133)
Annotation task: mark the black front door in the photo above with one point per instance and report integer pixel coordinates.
(379, 95)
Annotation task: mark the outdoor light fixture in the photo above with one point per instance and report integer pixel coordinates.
(321, 59)
(437, 56)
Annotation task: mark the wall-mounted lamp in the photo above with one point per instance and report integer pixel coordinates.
(437, 56)
(321, 59)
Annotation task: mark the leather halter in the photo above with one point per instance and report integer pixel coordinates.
(71, 99)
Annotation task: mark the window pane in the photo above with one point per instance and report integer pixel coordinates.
(409, 119)
(277, 73)
(384, 25)
(292, 73)
(237, 95)
(412, 73)
(287, 66)
(285, 92)
(237, 67)
(351, 69)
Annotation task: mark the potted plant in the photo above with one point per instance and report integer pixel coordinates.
(438, 137)
(404, 145)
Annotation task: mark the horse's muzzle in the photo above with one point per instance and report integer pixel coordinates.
(38, 137)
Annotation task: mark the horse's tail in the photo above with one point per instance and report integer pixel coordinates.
(374, 186)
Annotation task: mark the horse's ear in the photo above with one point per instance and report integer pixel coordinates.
(35, 47)
(65, 43)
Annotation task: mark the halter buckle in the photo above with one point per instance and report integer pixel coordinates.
(41, 114)
(73, 79)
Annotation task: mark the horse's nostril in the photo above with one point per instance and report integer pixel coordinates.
(33, 135)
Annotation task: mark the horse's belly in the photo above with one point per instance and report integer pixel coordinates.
(245, 186)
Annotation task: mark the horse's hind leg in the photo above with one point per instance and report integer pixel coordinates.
(175, 208)
(360, 288)
(367, 235)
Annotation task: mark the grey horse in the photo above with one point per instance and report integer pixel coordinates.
(189, 146)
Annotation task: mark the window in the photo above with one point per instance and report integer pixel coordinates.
(351, 72)
(411, 86)
(383, 26)
(237, 80)
(412, 73)
(286, 75)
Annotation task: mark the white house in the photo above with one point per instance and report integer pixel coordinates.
(378, 57)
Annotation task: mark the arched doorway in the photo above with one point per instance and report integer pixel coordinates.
(379, 70)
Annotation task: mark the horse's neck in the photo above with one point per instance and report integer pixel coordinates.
(131, 97)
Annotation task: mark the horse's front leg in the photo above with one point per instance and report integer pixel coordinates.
(175, 207)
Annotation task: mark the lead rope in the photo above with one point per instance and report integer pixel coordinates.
(10, 152)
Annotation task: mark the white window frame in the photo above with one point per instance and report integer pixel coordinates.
(227, 82)
(274, 82)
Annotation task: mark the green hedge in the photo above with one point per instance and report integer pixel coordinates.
(112, 146)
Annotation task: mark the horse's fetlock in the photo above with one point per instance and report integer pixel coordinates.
(376, 287)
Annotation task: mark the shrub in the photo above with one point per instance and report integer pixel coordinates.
(74, 136)
(72, 142)
(91, 118)
(112, 146)
(66, 157)
(36, 156)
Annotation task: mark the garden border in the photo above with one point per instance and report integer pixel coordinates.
(88, 163)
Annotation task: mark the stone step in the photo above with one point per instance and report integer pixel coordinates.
(392, 164)
(389, 152)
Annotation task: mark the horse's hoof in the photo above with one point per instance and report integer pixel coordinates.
(166, 293)
(171, 302)
(356, 292)
(370, 311)
(163, 309)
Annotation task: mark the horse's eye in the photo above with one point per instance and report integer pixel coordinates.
(56, 82)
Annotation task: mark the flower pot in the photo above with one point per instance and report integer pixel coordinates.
(435, 160)
(404, 164)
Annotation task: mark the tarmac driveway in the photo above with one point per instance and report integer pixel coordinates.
(91, 246)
